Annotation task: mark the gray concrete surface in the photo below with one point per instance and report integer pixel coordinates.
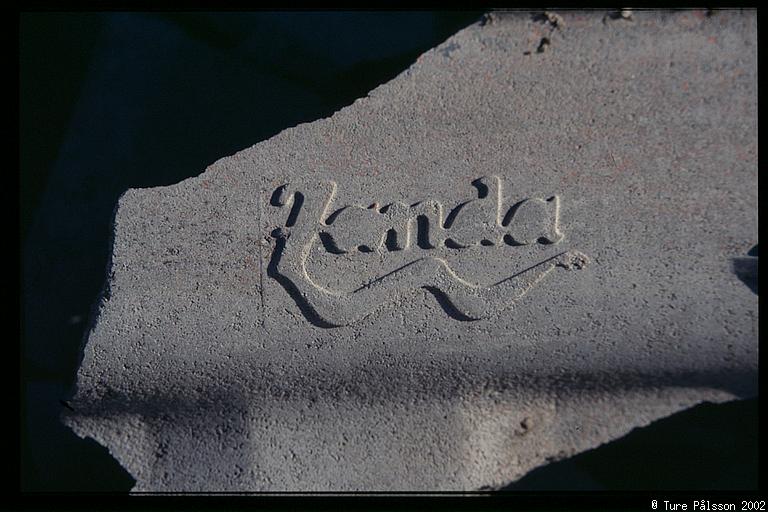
(517, 250)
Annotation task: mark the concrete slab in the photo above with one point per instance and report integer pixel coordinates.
(519, 249)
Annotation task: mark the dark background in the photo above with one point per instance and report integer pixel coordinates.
(111, 101)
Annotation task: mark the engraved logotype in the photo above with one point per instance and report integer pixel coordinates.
(416, 229)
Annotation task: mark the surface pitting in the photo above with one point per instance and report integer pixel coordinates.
(525, 254)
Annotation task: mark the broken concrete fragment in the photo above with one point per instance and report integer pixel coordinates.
(498, 259)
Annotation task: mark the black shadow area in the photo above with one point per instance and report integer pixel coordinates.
(710, 447)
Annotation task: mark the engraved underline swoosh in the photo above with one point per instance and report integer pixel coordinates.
(529, 268)
(453, 273)
(381, 278)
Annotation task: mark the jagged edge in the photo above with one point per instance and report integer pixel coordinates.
(105, 292)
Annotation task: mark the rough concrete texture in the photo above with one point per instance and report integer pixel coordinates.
(519, 249)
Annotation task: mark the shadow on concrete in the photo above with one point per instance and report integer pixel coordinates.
(708, 447)
(112, 101)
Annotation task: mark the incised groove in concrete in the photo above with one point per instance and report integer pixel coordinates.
(422, 226)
